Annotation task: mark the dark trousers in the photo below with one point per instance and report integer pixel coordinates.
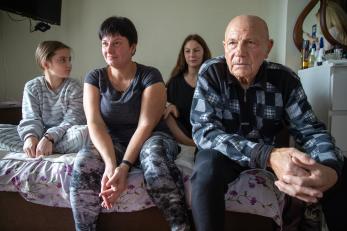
(334, 203)
(212, 173)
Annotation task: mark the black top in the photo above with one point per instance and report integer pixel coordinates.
(180, 93)
(121, 111)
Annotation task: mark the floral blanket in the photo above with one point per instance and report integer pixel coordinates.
(45, 180)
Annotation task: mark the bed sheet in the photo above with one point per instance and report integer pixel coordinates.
(45, 180)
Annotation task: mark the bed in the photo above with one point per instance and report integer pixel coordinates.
(43, 185)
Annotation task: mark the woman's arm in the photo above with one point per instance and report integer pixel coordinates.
(101, 140)
(179, 135)
(152, 108)
(96, 126)
(171, 109)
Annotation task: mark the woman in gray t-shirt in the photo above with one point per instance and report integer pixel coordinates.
(124, 103)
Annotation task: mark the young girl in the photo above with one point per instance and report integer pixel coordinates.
(52, 105)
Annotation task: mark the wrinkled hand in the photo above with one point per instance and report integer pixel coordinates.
(321, 178)
(29, 146)
(112, 186)
(305, 179)
(171, 109)
(280, 161)
(44, 147)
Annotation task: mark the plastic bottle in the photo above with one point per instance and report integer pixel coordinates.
(312, 57)
(320, 52)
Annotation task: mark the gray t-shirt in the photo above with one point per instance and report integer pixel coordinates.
(121, 111)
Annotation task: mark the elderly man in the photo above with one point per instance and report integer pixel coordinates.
(240, 103)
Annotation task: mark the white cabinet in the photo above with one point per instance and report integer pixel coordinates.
(326, 90)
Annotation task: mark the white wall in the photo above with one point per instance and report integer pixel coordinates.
(291, 53)
(162, 25)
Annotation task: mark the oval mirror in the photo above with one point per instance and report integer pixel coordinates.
(330, 10)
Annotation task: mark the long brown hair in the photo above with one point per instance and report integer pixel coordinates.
(181, 64)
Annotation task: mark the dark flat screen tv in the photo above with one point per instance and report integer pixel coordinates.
(48, 11)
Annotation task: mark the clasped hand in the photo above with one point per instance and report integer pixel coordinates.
(113, 183)
(299, 175)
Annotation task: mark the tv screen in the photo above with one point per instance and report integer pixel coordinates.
(42, 10)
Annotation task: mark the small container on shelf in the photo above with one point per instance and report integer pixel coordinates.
(305, 54)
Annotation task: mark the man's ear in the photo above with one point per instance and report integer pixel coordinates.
(270, 45)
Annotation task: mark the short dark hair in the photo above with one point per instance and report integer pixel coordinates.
(118, 25)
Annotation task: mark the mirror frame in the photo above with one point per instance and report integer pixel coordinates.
(298, 32)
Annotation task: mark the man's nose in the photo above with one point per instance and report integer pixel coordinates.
(240, 48)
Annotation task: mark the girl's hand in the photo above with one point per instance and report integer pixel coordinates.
(29, 146)
(44, 147)
(171, 109)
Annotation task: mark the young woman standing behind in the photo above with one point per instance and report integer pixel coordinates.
(181, 85)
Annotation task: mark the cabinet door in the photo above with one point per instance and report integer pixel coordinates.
(339, 130)
(339, 88)
(316, 83)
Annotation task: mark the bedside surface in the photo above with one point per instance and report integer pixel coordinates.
(10, 112)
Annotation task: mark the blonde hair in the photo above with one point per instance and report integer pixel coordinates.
(46, 49)
(337, 17)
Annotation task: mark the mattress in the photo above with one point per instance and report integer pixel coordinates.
(45, 180)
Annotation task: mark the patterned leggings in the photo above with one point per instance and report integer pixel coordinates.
(163, 183)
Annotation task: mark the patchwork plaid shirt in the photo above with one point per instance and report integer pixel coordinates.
(242, 124)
